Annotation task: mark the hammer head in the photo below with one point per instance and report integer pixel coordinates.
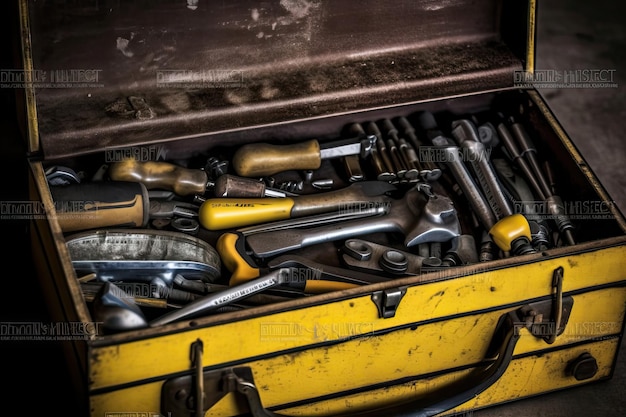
(434, 218)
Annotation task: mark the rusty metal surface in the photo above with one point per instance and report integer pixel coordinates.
(163, 71)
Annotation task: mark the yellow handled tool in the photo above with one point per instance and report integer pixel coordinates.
(232, 249)
(186, 181)
(227, 213)
(162, 175)
(261, 159)
(512, 234)
(307, 275)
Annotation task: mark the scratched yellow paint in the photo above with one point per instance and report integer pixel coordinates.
(404, 353)
(224, 343)
(594, 315)
(524, 377)
(128, 402)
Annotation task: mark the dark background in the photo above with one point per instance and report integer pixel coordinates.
(571, 35)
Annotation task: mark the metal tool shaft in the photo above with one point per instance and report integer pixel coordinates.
(430, 171)
(511, 146)
(419, 219)
(468, 186)
(216, 300)
(467, 136)
(381, 170)
(528, 153)
(394, 143)
(315, 220)
(382, 150)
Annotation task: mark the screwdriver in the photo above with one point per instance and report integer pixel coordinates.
(225, 213)
(186, 181)
(520, 146)
(261, 159)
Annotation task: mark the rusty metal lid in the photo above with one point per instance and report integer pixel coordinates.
(112, 74)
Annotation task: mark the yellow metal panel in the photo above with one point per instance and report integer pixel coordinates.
(128, 402)
(541, 374)
(594, 315)
(412, 352)
(525, 377)
(132, 361)
(405, 353)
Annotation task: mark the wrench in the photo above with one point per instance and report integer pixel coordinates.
(466, 135)
(295, 272)
(451, 156)
(225, 213)
(419, 218)
(216, 300)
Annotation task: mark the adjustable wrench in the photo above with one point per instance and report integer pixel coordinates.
(238, 260)
(418, 217)
(449, 153)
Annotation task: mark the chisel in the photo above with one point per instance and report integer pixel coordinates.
(262, 159)
(189, 181)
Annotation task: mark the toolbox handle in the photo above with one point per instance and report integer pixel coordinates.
(534, 317)
(499, 355)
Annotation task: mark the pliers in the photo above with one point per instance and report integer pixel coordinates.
(179, 215)
(168, 209)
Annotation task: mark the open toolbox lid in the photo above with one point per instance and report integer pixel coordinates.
(115, 74)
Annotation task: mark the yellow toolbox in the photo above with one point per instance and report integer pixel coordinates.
(307, 208)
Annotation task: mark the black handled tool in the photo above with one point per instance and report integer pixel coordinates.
(101, 204)
(93, 205)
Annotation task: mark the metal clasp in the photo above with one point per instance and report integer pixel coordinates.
(197, 348)
(557, 304)
(548, 324)
(387, 301)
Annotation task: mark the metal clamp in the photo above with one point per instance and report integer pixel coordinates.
(557, 304)
(545, 323)
(197, 349)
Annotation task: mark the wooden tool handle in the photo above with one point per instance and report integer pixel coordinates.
(161, 175)
(260, 159)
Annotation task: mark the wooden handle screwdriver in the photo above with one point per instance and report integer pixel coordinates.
(261, 159)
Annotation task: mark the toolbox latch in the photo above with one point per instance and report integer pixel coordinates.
(387, 301)
(547, 320)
